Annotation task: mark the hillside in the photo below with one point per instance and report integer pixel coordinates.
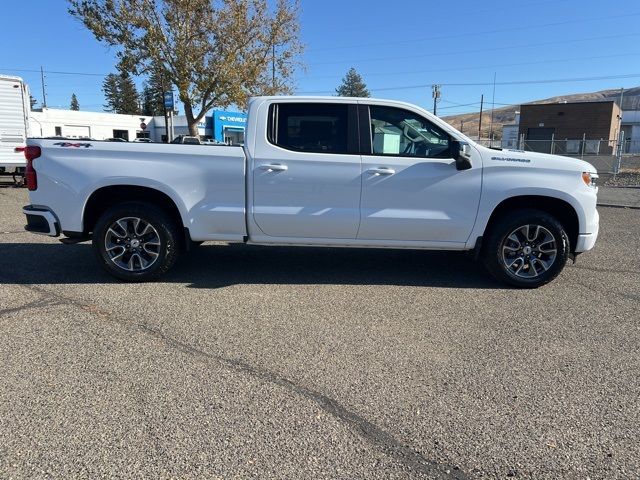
(506, 115)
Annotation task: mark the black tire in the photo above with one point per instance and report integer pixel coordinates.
(496, 242)
(168, 239)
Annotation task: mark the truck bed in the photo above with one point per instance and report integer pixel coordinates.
(187, 174)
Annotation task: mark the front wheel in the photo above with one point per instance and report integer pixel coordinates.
(136, 241)
(526, 248)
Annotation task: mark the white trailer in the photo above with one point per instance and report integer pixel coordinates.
(14, 125)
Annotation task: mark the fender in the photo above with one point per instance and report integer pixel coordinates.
(489, 205)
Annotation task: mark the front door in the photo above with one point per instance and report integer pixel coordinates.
(306, 177)
(411, 189)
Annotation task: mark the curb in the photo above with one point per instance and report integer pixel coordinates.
(613, 205)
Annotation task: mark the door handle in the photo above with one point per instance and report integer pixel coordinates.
(276, 167)
(382, 171)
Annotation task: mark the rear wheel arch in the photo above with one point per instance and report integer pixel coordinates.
(106, 197)
(560, 209)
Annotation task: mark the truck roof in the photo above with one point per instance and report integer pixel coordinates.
(11, 78)
(325, 98)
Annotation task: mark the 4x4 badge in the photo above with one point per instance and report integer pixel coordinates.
(74, 145)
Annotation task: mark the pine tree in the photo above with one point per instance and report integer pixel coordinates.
(111, 93)
(74, 103)
(352, 85)
(121, 94)
(153, 94)
(129, 102)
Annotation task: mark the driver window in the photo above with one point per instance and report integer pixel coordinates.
(398, 132)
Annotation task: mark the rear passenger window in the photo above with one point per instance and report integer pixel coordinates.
(310, 127)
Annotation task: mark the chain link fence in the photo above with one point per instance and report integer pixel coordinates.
(608, 156)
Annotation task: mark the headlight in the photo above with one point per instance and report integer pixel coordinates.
(589, 179)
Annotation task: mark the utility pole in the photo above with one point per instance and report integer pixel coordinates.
(493, 106)
(480, 120)
(620, 135)
(435, 93)
(44, 93)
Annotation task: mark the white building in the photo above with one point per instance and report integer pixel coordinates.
(631, 129)
(50, 122)
(97, 125)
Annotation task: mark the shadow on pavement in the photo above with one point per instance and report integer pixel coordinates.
(216, 266)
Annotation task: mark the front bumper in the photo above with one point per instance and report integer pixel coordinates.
(41, 220)
(586, 241)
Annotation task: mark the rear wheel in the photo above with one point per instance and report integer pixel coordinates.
(136, 241)
(526, 248)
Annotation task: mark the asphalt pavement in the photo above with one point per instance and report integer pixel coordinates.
(296, 363)
(619, 196)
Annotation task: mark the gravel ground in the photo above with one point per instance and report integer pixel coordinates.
(623, 180)
(251, 362)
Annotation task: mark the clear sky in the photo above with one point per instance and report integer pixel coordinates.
(400, 48)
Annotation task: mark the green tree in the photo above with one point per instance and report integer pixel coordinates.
(153, 93)
(75, 105)
(352, 85)
(129, 102)
(120, 93)
(111, 93)
(215, 53)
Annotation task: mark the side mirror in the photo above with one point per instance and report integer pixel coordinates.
(461, 153)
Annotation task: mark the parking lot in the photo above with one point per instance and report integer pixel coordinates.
(251, 362)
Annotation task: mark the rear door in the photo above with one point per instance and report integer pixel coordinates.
(306, 176)
(411, 189)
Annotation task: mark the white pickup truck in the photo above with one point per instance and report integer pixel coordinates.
(333, 172)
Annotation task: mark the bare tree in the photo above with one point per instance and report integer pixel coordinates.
(216, 52)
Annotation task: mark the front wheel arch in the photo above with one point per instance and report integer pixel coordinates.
(560, 209)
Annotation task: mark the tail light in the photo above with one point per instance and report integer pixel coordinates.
(31, 152)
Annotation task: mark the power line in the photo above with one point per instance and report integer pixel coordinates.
(513, 82)
(541, 62)
(52, 72)
(369, 27)
(446, 53)
(475, 104)
(482, 32)
(455, 69)
(461, 105)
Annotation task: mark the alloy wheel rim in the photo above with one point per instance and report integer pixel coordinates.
(529, 251)
(132, 244)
